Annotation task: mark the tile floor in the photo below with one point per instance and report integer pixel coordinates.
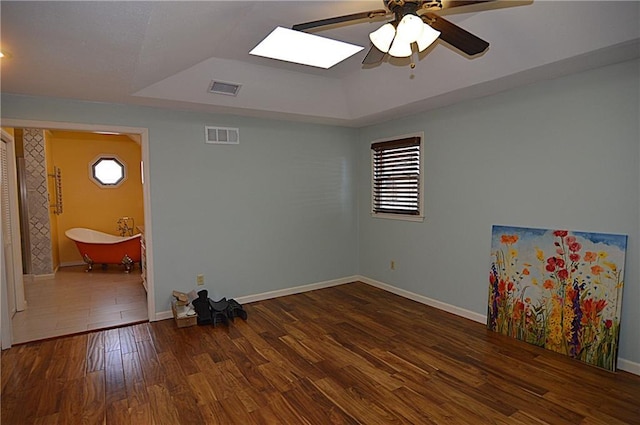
(76, 301)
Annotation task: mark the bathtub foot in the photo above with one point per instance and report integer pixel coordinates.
(89, 262)
(127, 262)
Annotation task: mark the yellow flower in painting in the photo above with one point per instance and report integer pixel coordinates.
(513, 252)
(554, 326)
(611, 265)
(539, 254)
(534, 281)
(602, 254)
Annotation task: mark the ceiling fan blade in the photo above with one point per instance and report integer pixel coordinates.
(456, 36)
(374, 56)
(340, 19)
(453, 3)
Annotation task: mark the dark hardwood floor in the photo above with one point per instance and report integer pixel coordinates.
(351, 354)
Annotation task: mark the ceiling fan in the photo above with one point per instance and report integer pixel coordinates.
(414, 21)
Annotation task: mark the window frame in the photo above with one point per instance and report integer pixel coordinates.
(107, 157)
(420, 190)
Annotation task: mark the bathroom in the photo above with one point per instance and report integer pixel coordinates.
(59, 191)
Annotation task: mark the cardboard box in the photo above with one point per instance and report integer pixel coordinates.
(182, 322)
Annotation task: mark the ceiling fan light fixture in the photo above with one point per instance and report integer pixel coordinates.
(428, 36)
(383, 36)
(410, 28)
(400, 48)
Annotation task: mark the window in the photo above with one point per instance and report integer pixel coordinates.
(107, 171)
(397, 178)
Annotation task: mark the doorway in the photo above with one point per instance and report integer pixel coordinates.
(12, 296)
(125, 293)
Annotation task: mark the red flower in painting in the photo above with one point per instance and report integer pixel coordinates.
(608, 323)
(518, 309)
(560, 233)
(553, 263)
(575, 247)
(591, 309)
(509, 239)
(501, 286)
(590, 257)
(563, 274)
(510, 286)
(574, 257)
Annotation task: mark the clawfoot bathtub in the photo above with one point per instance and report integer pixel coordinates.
(103, 248)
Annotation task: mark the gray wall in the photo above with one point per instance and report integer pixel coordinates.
(276, 211)
(558, 154)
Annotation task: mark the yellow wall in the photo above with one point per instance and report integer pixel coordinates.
(85, 203)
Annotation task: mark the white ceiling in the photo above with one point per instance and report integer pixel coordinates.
(167, 53)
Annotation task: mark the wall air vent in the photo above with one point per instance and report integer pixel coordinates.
(221, 135)
(219, 87)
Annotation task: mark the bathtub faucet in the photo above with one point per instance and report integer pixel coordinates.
(125, 226)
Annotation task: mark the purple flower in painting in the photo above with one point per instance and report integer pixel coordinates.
(495, 297)
(574, 339)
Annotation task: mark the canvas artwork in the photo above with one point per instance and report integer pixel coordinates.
(558, 289)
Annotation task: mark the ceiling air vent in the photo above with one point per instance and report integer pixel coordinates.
(219, 87)
(221, 135)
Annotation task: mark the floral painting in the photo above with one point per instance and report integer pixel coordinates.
(558, 289)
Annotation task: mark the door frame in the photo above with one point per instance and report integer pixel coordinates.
(143, 133)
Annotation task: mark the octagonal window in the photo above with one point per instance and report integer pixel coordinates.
(108, 171)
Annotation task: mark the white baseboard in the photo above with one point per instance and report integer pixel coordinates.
(295, 290)
(471, 315)
(628, 366)
(163, 315)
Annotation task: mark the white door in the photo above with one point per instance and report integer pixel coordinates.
(12, 294)
(8, 305)
(7, 247)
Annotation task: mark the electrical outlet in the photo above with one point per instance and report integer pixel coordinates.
(200, 279)
(392, 266)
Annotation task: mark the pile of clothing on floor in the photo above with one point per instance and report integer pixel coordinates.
(209, 312)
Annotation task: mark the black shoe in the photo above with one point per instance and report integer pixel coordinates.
(201, 306)
(218, 311)
(236, 310)
(219, 318)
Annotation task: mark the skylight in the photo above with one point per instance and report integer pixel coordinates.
(304, 48)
